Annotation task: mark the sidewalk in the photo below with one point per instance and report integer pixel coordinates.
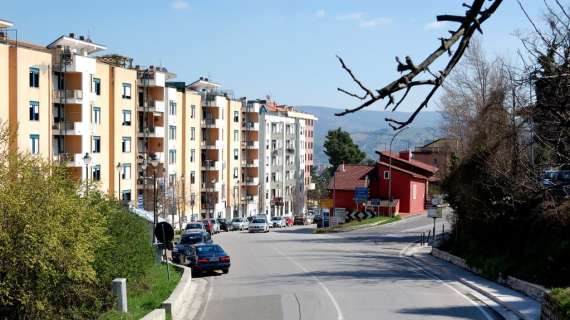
(508, 303)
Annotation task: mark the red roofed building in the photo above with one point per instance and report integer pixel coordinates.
(409, 185)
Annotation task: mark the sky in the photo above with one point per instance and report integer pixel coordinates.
(285, 49)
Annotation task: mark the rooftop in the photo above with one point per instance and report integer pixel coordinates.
(4, 24)
(81, 43)
(414, 163)
(350, 176)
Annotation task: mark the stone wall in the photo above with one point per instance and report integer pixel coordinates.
(550, 309)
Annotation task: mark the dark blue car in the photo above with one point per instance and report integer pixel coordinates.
(210, 257)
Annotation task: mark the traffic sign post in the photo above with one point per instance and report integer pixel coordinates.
(164, 234)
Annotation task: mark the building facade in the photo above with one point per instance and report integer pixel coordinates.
(184, 150)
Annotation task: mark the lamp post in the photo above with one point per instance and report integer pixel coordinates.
(390, 169)
(119, 190)
(192, 199)
(86, 161)
(154, 164)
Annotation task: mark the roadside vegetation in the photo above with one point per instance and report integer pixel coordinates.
(563, 298)
(508, 220)
(147, 293)
(60, 249)
(357, 224)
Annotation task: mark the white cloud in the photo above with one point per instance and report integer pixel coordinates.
(321, 13)
(435, 25)
(351, 16)
(372, 23)
(180, 5)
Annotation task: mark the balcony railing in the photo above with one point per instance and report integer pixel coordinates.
(68, 96)
(68, 128)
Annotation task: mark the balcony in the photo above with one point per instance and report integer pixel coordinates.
(69, 159)
(209, 145)
(68, 128)
(252, 145)
(212, 187)
(146, 78)
(251, 199)
(160, 156)
(251, 163)
(153, 106)
(254, 107)
(212, 123)
(153, 132)
(252, 181)
(210, 165)
(68, 96)
(251, 126)
(290, 150)
(73, 63)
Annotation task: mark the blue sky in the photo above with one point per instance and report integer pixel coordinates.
(258, 47)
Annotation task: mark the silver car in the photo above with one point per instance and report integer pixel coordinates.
(278, 222)
(258, 225)
(240, 224)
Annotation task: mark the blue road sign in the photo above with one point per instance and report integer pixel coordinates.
(361, 193)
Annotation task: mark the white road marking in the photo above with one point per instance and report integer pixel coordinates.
(325, 289)
(210, 291)
(429, 275)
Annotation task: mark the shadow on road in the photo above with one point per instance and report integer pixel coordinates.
(205, 274)
(466, 312)
(303, 230)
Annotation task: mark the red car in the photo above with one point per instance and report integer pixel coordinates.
(289, 221)
(208, 225)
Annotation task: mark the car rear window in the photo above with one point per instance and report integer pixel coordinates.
(194, 226)
(209, 249)
(259, 221)
(191, 239)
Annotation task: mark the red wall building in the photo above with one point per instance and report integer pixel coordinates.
(409, 185)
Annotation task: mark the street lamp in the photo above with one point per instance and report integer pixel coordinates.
(154, 164)
(390, 169)
(192, 200)
(86, 161)
(119, 191)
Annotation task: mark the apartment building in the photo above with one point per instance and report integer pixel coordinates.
(133, 133)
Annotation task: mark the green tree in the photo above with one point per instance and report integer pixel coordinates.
(340, 148)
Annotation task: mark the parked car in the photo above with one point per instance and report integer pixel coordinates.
(225, 225)
(278, 222)
(210, 257)
(216, 226)
(300, 220)
(289, 221)
(182, 251)
(194, 226)
(240, 224)
(250, 219)
(258, 225)
(309, 218)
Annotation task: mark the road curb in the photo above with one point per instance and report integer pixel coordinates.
(507, 306)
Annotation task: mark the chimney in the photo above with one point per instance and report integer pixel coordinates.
(406, 155)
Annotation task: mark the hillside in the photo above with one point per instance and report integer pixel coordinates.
(369, 130)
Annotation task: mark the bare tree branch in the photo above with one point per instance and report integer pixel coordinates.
(469, 23)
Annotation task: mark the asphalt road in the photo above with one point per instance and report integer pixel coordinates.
(294, 274)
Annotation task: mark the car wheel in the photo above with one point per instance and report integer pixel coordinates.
(225, 271)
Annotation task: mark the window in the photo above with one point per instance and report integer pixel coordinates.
(172, 156)
(236, 135)
(34, 111)
(96, 173)
(414, 191)
(386, 175)
(172, 132)
(126, 117)
(192, 155)
(96, 115)
(96, 144)
(126, 171)
(126, 195)
(192, 111)
(192, 133)
(172, 179)
(273, 177)
(236, 116)
(35, 143)
(34, 77)
(235, 173)
(192, 177)
(97, 86)
(126, 90)
(126, 145)
(236, 154)
(172, 107)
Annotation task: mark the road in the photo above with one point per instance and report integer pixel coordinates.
(294, 274)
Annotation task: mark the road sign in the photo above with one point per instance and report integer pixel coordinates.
(340, 215)
(360, 215)
(164, 232)
(326, 203)
(361, 194)
(437, 211)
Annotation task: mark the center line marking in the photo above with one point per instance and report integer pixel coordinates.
(322, 285)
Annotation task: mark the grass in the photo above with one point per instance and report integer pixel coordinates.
(563, 297)
(355, 224)
(147, 294)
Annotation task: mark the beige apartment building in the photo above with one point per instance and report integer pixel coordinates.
(158, 145)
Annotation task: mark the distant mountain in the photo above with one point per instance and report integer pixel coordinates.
(369, 130)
